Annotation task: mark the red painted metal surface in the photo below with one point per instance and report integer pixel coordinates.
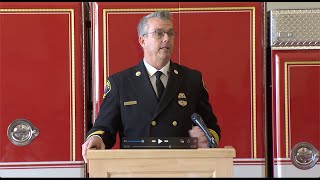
(222, 40)
(41, 76)
(115, 43)
(115, 47)
(296, 99)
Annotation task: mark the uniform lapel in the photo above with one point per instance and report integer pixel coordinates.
(171, 89)
(141, 83)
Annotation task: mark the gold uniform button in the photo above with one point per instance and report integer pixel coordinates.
(174, 123)
(153, 123)
(138, 73)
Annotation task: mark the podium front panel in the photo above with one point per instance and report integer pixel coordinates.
(217, 162)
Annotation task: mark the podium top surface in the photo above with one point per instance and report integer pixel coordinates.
(161, 153)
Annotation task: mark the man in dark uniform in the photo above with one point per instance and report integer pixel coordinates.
(143, 102)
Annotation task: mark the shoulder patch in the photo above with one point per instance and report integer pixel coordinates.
(107, 89)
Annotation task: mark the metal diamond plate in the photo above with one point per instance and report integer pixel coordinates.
(295, 29)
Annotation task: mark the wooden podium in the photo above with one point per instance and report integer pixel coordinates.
(203, 162)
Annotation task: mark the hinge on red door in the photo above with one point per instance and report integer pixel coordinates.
(87, 15)
(88, 24)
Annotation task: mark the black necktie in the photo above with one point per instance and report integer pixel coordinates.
(159, 85)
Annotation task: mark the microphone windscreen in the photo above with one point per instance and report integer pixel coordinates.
(195, 117)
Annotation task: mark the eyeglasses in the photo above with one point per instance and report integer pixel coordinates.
(160, 33)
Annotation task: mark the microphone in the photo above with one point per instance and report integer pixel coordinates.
(197, 119)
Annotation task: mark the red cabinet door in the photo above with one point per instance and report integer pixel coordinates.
(295, 71)
(222, 40)
(115, 45)
(41, 83)
(296, 107)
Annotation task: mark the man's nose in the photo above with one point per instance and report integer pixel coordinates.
(165, 37)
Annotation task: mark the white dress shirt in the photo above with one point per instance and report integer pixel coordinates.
(151, 72)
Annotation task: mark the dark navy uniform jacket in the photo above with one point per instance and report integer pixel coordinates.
(130, 105)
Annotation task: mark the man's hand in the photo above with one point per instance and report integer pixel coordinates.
(202, 139)
(93, 141)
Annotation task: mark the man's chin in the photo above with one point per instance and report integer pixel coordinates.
(166, 58)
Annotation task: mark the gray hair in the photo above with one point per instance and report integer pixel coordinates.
(143, 24)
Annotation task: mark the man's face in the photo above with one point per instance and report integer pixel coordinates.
(156, 46)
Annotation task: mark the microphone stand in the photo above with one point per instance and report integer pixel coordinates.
(212, 143)
(197, 119)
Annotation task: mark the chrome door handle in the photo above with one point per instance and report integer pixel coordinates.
(21, 132)
(304, 155)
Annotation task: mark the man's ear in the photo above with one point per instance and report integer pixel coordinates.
(141, 41)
